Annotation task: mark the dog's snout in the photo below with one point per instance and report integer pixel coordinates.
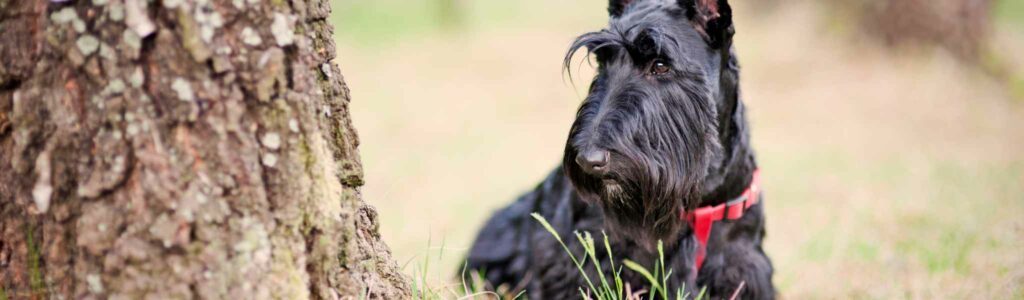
(593, 162)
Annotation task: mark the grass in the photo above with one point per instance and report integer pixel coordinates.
(425, 288)
(996, 63)
(1010, 11)
(603, 287)
(35, 272)
(386, 22)
(38, 286)
(612, 288)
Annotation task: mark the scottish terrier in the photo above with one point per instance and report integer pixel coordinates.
(659, 154)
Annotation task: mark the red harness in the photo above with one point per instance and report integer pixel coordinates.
(702, 218)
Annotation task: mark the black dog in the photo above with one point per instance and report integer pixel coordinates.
(659, 151)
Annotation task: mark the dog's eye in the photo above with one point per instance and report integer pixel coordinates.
(659, 68)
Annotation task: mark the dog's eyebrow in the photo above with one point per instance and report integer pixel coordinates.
(628, 39)
(593, 42)
(596, 40)
(661, 42)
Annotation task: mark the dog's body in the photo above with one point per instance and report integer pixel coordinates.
(662, 132)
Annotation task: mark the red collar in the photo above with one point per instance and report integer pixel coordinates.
(702, 218)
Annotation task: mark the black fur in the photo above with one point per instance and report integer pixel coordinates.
(674, 138)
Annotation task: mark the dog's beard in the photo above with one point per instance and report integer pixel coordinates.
(643, 199)
(612, 190)
(631, 217)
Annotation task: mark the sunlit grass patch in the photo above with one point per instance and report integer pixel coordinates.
(380, 21)
(373, 23)
(821, 246)
(425, 288)
(937, 245)
(864, 250)
(1010, 10)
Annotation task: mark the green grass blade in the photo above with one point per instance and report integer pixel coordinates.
(643, 271)
(547, 226)
(608, 248)
(617, 271)
(579, 266)
(702, 294)
(664, 275)
(462, 277)
(591, 249)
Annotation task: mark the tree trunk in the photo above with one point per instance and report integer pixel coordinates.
(180, 149)
(960, 26)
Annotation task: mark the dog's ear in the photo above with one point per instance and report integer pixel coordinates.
(616, 7)
(713, 18)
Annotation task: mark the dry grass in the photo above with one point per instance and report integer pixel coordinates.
(888, 175)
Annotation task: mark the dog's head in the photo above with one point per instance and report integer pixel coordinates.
(647, 135)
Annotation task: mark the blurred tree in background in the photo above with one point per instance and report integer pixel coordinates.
(960, 26)
(450, 13)
(964, 28)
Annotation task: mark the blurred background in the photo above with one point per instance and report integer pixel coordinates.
(890, 133)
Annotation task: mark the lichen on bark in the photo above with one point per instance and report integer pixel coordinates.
(151, 149)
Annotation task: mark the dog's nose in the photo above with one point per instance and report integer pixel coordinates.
(593, 162)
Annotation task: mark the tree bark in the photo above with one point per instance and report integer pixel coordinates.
(180, 149)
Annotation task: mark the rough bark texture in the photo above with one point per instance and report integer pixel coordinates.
(180, 149)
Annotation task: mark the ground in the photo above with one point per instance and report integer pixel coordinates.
(889, 174)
